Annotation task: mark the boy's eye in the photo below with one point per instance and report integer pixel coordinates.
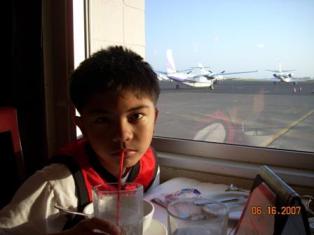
(135, 117)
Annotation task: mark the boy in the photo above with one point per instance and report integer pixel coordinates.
(116, 93)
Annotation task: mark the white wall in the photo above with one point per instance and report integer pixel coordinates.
(117, 22)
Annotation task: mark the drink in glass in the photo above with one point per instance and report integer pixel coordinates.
(123, 206)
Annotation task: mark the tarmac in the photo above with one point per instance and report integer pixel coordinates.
(254, 113)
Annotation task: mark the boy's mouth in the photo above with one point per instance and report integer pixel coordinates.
(127, 152)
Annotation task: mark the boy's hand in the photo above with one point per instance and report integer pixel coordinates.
(92, 226)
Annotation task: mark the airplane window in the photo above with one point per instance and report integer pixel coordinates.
(234, 72)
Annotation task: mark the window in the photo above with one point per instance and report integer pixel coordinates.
(252, 118)
(235, 36)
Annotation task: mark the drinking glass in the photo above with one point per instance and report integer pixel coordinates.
(197, 216)
(123, 207)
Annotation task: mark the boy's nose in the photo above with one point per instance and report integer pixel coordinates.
(123, 132)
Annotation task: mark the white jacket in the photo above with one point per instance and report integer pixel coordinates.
(32, 211)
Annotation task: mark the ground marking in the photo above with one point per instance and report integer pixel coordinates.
(286, 129)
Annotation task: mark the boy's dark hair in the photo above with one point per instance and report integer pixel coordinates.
(113, 69)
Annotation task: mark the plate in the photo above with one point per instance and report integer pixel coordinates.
(235, 207)
(156, 228)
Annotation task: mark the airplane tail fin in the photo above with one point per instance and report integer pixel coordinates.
(170, 67)
(279, 67)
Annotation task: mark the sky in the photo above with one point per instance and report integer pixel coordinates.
(232, 35)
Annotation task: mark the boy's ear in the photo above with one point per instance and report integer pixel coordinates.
(156, 114)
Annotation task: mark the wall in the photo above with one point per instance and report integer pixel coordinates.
(117, 22)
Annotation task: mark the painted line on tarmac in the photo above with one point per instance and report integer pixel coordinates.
(285, 130)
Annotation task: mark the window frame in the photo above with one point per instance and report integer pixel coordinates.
(295, 167)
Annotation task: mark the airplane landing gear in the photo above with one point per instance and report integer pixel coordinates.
(297, 89)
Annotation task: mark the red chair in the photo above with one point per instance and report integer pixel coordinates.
(11, 156)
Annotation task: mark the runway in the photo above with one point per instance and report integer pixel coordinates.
(240, 112)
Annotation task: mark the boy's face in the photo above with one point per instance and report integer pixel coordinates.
(110, 120)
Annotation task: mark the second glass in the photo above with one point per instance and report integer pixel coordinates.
(197, 216)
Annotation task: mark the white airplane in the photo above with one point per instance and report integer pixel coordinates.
(283, 75)
(194, 77)
(288, 77)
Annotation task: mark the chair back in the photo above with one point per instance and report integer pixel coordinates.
(12, 170)
(9, 122)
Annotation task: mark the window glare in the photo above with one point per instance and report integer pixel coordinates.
(79, 31)
(79, 42)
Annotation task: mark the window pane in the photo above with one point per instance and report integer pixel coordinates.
(255, 59)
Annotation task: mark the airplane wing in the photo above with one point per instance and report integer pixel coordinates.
(280, 71)
(291, 80)
(301, 79)
(232, 73)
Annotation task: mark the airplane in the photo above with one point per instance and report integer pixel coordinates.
(203, 77)
(283, 75)
(288, 77)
